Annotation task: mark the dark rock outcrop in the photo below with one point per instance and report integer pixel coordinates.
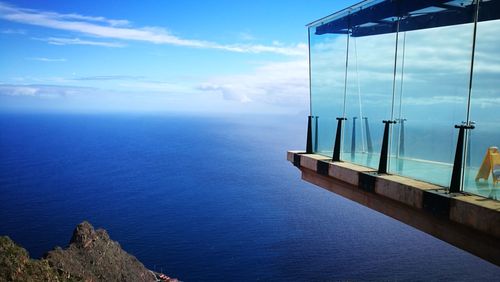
(91, 256)
(16, 265)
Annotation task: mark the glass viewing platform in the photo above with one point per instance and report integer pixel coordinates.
(423, 74)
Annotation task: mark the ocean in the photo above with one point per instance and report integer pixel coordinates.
(203, 198)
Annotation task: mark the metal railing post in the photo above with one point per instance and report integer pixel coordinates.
(338, 137)
(309, 145)
(384, 153)
(456, 176)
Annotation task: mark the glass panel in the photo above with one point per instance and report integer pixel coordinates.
(369, 96)
(427, 98)
(433, 90)
(327, 63)
(483, 159)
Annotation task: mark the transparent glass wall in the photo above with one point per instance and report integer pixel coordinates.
(369, 96)
(327, 66)
(410, 61)
(432, 91)
(482, 158)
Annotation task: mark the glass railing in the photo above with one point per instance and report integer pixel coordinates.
(433, 91)
(327, 69)
(369, 97)
(410, 62)
(482, 173)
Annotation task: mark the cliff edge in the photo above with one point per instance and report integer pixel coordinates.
(90, 256)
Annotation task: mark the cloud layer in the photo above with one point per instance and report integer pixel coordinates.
(273, 86)
(48, 60)
(122, 30)
(43, 91)
(78, 41)
(278, 83)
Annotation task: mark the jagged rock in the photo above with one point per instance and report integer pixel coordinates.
(16, 265)
(91, 256)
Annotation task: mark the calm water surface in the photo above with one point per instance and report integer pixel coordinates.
(203, 199)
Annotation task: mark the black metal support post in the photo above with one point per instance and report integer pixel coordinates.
(353, 137)
(382, 166)
(309, 145)
(338, 137)
(369, 144)
(456, 176)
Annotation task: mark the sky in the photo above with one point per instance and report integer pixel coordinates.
(157, 56)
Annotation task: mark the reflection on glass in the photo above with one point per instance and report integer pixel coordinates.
(410, 61)
(482, 171)
(369, 97)
(327, 63)
(433, 98)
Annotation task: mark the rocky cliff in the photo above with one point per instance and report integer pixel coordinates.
(91, 256)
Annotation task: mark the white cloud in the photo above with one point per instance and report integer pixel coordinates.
(18, 90)
(155, 86)
(272, 87)
(492, 102)
(230, 92)
(296, 50)
(120, 30)
(109, 77)
(43, 59)
(482, 102)
(142, 89)
(13, 31)
(42, 91)
(278, 83)
(83, 18)
(418, 101)
(78, 41)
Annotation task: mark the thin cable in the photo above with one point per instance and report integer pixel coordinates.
(309, 61)
(345, 76)
(393, 91)
(401, 93)
(471, 76)
(359, 96)
(395, 69)
(476, 16)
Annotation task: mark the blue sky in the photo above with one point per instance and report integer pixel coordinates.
(167, 56)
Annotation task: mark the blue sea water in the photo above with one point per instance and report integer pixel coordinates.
(203, 198)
